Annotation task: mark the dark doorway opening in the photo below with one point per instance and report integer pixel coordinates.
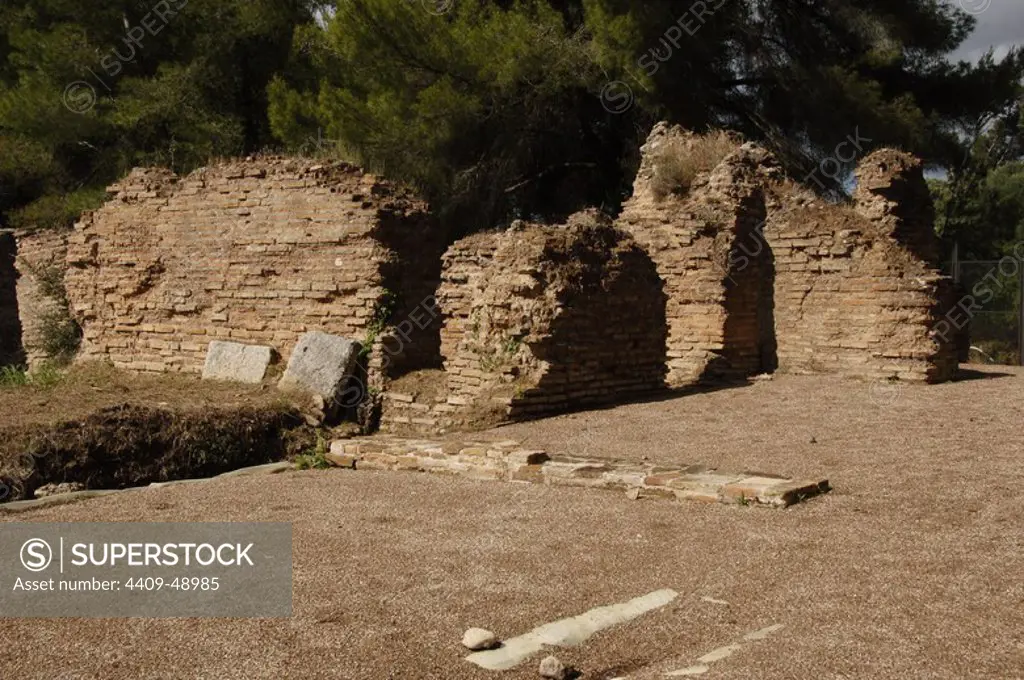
(11, 351)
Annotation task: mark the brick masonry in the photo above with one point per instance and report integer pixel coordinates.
(746, 272)
(508, 461)
(541, 318)
(256, 251)
(762, 275)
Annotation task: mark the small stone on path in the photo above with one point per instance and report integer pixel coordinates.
(477, 639)
(553, 669)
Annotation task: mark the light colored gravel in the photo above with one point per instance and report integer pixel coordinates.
(911, 568)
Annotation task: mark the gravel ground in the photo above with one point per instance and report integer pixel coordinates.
(910, 569)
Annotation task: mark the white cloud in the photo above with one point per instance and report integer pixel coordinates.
(1000, 26)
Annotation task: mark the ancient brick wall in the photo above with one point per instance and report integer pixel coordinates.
(542, 318)
(763, 275)
(40, 263)
(256, 251)
(11, 350)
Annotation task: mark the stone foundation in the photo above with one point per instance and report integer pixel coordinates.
(507, 461)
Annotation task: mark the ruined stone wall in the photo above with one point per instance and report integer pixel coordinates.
(763, 275)
(540, 319)
(691, 238)
(854, 295)
(40, 264)
(11, 351)
(256, 251)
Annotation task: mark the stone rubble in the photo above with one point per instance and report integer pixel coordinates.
(553, 669)
(236, 362)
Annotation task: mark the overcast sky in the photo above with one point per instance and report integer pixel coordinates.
(1000, 24)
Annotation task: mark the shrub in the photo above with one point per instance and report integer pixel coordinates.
(315, 459)
(678, 162)
(60, 335)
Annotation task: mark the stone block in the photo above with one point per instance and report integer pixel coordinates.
(321, 364)
(237, 362)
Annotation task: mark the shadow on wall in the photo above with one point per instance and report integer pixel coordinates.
(608, 342)
(12, 353)
(749, 344)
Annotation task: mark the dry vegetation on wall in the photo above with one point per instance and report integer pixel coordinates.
(763, 275)
(680, 160)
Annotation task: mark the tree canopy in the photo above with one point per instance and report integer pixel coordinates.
(494, 109)
(90, 88)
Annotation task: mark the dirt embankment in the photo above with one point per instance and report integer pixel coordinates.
(104, 429)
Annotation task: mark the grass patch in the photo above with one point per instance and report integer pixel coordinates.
(679, 161)
(315, 458)
(45, 376)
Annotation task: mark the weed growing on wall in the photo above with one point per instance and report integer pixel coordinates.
(678, 162)
(60, 334)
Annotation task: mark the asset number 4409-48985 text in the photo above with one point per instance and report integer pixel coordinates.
(183, 583)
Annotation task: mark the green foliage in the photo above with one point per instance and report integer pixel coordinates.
(12, 376)
(489, 109)
(45, 376)
(497, 358)
(60, 334)
(980, 205)
(89, 89)
(316, 458)
(494, 110)
(383, 311)
(57, 211)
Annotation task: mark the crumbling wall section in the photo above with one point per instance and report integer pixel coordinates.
(762, 274)
(258, 251)
(541, 319)
(692, 239)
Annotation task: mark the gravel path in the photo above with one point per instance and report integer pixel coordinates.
(911, 568)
